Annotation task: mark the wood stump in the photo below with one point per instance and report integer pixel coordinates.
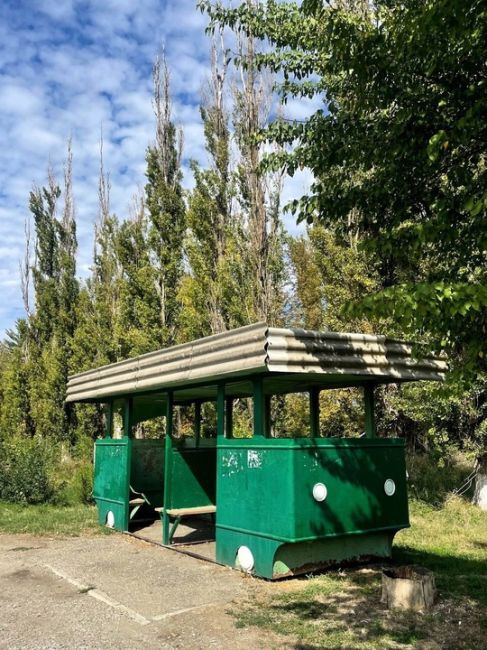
(408, 587)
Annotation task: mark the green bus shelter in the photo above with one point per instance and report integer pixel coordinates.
(278, 505)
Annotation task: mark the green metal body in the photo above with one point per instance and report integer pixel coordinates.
(112, 480)
(147, 470)
(262, 487)
(265, 501)
(192, 469)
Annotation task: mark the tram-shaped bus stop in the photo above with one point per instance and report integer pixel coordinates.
(271, 506)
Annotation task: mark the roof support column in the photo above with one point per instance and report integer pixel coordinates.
(228, 417)
(369, 402)
(314, 412)
(197, 423)
(128, 416)
(220, 411)
(167, 468)
(108, 420)
(261, 408)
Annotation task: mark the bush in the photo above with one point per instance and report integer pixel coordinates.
(83, 484)
(432, 479)
(26, 470)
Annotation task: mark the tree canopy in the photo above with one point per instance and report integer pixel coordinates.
(397, 145)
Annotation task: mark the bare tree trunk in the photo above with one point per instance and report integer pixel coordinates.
(25, 270)
(480, 493)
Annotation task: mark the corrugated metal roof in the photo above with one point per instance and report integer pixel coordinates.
(257, 349)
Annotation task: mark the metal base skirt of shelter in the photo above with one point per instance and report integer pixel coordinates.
(273, 560)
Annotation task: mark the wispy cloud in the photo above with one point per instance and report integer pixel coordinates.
(66, 68)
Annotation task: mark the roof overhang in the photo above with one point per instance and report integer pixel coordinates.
(291, 357)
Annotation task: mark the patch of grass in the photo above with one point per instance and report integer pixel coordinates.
(452, 542)
(342, 609)
(47, 519)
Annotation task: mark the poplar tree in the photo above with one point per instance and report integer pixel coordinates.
(96, 340)
(41, 345)
(259, 192)
(166, 210)
(212, 293)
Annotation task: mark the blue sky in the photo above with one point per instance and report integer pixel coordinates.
(67, 67)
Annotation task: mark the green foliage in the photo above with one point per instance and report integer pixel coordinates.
(78, 485)
(437, 419)
(433, 478)
(398, 144)
(330, 274)
(26, 470)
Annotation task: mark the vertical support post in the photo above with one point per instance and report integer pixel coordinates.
(220, 411)
(108, 420)
(197, 423)
(314, 412)
(167, 468)
(259, 407)
(128, 416)
(229, 417)
(267, 415)
(370, 426)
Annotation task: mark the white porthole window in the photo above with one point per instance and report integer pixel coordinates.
(319, 492)
(389, 487)
(110, 519)
(245, 559)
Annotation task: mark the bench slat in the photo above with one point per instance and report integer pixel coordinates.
(182, 512)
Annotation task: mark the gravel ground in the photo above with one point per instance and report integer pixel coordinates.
(117, 592)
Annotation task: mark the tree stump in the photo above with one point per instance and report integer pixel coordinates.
(408, 587)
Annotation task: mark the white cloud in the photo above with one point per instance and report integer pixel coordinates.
(66, 68)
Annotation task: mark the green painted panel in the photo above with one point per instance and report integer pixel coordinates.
(263, 549)
(255, 488)
(110, 489)
(193, 476)
(147, 471)
(354, 477)
(265, 486)
(265, 500)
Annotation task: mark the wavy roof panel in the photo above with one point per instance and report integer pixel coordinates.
(258, 349)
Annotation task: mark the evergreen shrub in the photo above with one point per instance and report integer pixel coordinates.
(26, 470)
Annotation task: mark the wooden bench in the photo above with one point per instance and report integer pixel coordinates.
(178, 513)
(184, 512)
